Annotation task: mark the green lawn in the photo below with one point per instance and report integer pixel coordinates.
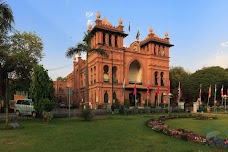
(104, 133)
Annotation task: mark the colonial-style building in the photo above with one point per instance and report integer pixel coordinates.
(145, 64)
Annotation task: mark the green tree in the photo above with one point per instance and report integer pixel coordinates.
(85, 47)
(61, 79)
(178, 74)
(6, 17)
(19, 53)
(207, 76)
(41, 88)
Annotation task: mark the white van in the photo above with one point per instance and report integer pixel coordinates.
(24, 106)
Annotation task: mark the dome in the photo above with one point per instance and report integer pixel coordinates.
(120, 21)
(105, 22)
(155, 35)
(98, 15)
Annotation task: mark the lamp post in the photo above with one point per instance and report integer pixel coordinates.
(225, 97)
(169, 96)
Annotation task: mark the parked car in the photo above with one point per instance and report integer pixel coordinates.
(24, 106)
(62, 105)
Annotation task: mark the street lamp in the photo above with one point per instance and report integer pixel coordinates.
(169, 96)
(225, 97)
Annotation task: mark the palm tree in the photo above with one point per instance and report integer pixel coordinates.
(6, 17)
(85, 47)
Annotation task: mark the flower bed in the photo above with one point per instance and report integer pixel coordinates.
(159, 126)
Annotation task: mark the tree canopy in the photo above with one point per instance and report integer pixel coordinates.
(41, 88)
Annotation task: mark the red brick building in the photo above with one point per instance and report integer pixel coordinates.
(60, 91)
(145, 63)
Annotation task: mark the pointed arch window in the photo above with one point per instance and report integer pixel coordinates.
(163, 51)
(94, 74)
(155, 49)
(162, 78)
(156, 78)
(104, 37)
(114, 95)
(116, 38)
(106, 77)
(110, 40)
(106, 97)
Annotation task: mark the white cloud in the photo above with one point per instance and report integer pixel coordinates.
(225, 44)
(89, 14)
(89, 22)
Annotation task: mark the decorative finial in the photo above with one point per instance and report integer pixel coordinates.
(120, 21)
(166, 34)
(151, 30)
(74, 58)
(98, 15)
(89, 26)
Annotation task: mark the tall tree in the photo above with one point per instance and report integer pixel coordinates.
(178, 74)
(6, 17)
(41, 87)
(19, 53)
(61, 79)
(85, 47)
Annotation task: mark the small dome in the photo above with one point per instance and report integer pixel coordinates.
(98, 15)
(151, 30)
(89, 26)
(120, 21)
(105, 22)
(166, 34)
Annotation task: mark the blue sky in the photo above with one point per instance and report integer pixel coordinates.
(197, 28)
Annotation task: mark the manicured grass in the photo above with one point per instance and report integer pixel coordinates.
(202, 126)
(104, 133)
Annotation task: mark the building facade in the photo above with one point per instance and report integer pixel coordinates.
(143, 66)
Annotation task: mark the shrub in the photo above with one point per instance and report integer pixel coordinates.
(127, 103)
(47, 116)
(87, 114)
(116, 105)
(47, 105)
(102, 106)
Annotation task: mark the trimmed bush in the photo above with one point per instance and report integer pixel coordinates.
(87, 114)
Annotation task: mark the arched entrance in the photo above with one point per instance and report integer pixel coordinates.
(135, 73)
(132, 99)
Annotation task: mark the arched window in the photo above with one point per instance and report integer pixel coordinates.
(106, 77)
(156, 78)
(106, 97)
(116, 38)
(94, 74)
(114, 95)
(163, 51)
(155, 49)
(135, 73)
(91, 76)
(115, 74)
(156, 99)
(110, 40)
(159, 50)
(162, 78)
(103, 39)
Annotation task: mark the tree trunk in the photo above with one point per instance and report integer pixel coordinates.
(87, 83)
(6, 102)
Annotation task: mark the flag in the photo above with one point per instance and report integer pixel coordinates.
(148, 90)
(222, 91)
(215, 92)
(123, 87)
(179, 91)
(158, 90)
(134, 93)
(209, 92)
(137, 35)
(200, 92)
(129, 28)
